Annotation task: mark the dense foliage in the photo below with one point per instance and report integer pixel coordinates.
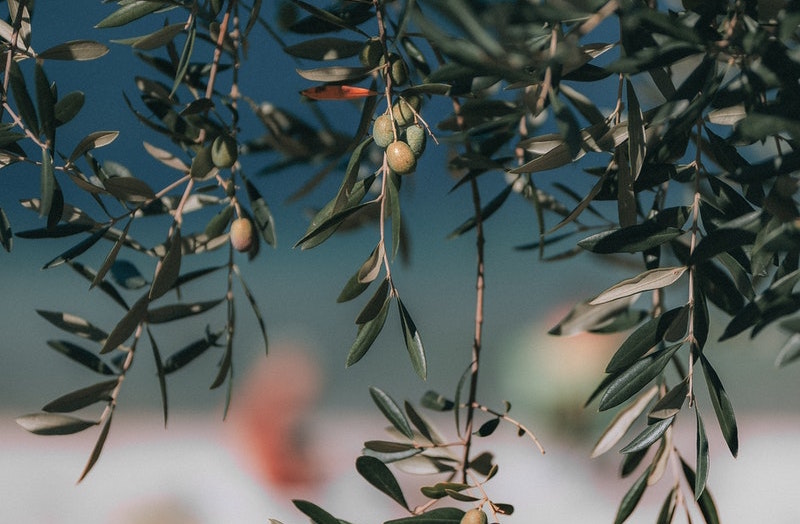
(680, 116)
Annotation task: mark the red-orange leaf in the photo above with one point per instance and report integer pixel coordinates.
(337, 92)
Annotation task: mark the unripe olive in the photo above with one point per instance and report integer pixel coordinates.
(224, 151)
(372, 53)
(382, 131)
(398, 70)
(400, 158)
(242, 235)
(474, 516)
(416, 137)
(403, 110)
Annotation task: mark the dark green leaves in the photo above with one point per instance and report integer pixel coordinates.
(391, 411)
(377, 474)
(626, 384)
(722, 406)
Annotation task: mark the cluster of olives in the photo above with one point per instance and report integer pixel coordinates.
(403, 149)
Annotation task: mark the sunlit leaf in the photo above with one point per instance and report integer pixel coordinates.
(73, 324)
(92, 141)
(129, 12)
(53, 423)
(622, 422)
(75, 50)
(653, 279)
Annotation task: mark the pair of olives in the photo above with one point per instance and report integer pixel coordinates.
(401, 153)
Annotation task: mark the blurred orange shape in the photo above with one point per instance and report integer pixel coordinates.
(337, 92)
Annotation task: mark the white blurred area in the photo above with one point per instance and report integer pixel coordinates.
(278, 444)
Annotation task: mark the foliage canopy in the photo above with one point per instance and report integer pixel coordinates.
(682, 117)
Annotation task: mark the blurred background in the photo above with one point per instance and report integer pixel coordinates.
(299, 418)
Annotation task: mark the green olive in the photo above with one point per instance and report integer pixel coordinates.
(416, 138)
(403, 110)
(382, 131)
(372, 53)
(400, 158)
(474, 516)
(224, 151)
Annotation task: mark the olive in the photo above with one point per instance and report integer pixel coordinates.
(403, 110)
(416, 138)
(400, 158)
(242, 236)
(474, 516)
(372, 53)
(383, 131)
(224, 151)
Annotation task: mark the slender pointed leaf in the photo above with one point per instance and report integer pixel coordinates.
(74, 324)
(98, 448)
(631, 499)
(53, 423)
(647, 437)
(375, 304)
(702, 457)
(317, 514)
(127, 325)
(162, 381)
(722, 406)
(413, 341)
(168, 268)
(391, 411)
(254, 306)
(706, 502)
(164, 314)
(646, 337)
(22, 98)
(81, 356)
(77, 249)
(367, 333)
(434, 516)
(627, 383)
(622, 422)
(653, 279)
(75, 400)
(379, 475)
